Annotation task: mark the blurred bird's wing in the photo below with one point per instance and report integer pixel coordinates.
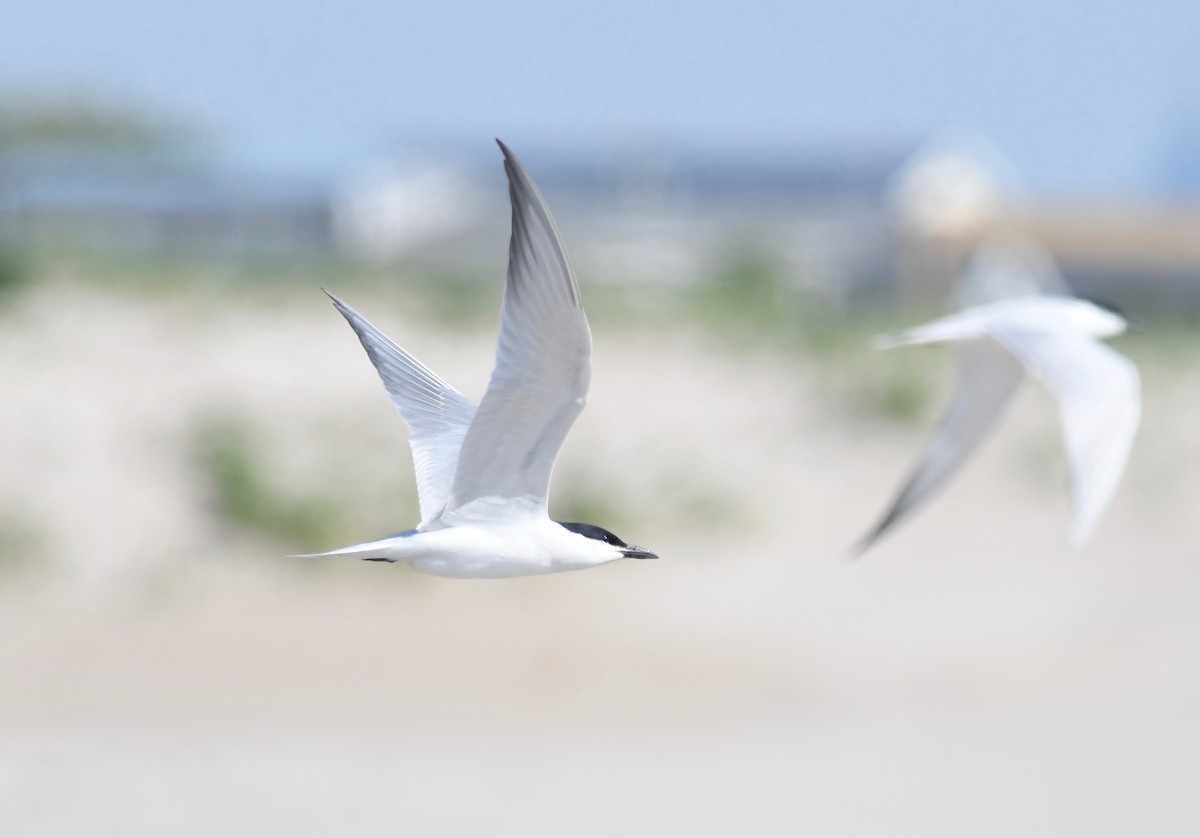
(986, 380)
(954, 328)
(1099, 397)
(543, 366)
(437, 415)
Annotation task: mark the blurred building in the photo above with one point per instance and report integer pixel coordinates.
(947, 203)
(894, 222)
(389, 211)
(132, 202)
(645, 214)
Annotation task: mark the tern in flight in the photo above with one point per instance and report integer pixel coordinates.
(483, 472)
(1054, 337)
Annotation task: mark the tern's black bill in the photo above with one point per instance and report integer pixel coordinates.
(632, 552)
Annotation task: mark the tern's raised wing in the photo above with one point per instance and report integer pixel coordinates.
(987, 378)
(543, 363)
(1099, 396)
(437, 415)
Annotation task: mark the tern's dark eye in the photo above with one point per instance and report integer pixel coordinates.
(594, 532)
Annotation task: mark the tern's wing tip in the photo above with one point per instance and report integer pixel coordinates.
(510, 159)
(858, 549)
(345, 310)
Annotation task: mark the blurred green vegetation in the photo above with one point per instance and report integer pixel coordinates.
(40, 119)
(751, 301)
(897, 385)
(454, 301)
(429, 293)
(324, 506)
(245, 498)
(681, 500)
(702, 507)
(755, 304)
(752, 298)
(22, 544)
(579, 498)
(747, 298)
(1169, 337)
(16, 274)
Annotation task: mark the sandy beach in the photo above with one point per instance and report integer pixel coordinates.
(169, 673)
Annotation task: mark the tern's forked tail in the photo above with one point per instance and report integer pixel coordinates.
(381, 550)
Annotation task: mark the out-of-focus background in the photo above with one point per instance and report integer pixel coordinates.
(748, 196)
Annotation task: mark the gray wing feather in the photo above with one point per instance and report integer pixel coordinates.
(987, 378)
(543, 362)
(1099, 396)
(437, 415)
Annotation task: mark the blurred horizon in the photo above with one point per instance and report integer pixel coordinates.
(878, 222)
(865, 152)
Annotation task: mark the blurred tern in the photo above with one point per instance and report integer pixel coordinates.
(483, 473)
(1055, 339)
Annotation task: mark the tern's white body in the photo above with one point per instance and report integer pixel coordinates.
(483, 472)
(518, 545)
(1056, 339)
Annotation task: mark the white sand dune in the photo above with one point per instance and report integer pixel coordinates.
(167, 674)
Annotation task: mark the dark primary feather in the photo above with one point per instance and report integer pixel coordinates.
(535, 239)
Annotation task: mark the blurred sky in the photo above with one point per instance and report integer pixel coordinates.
(1084, 97)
